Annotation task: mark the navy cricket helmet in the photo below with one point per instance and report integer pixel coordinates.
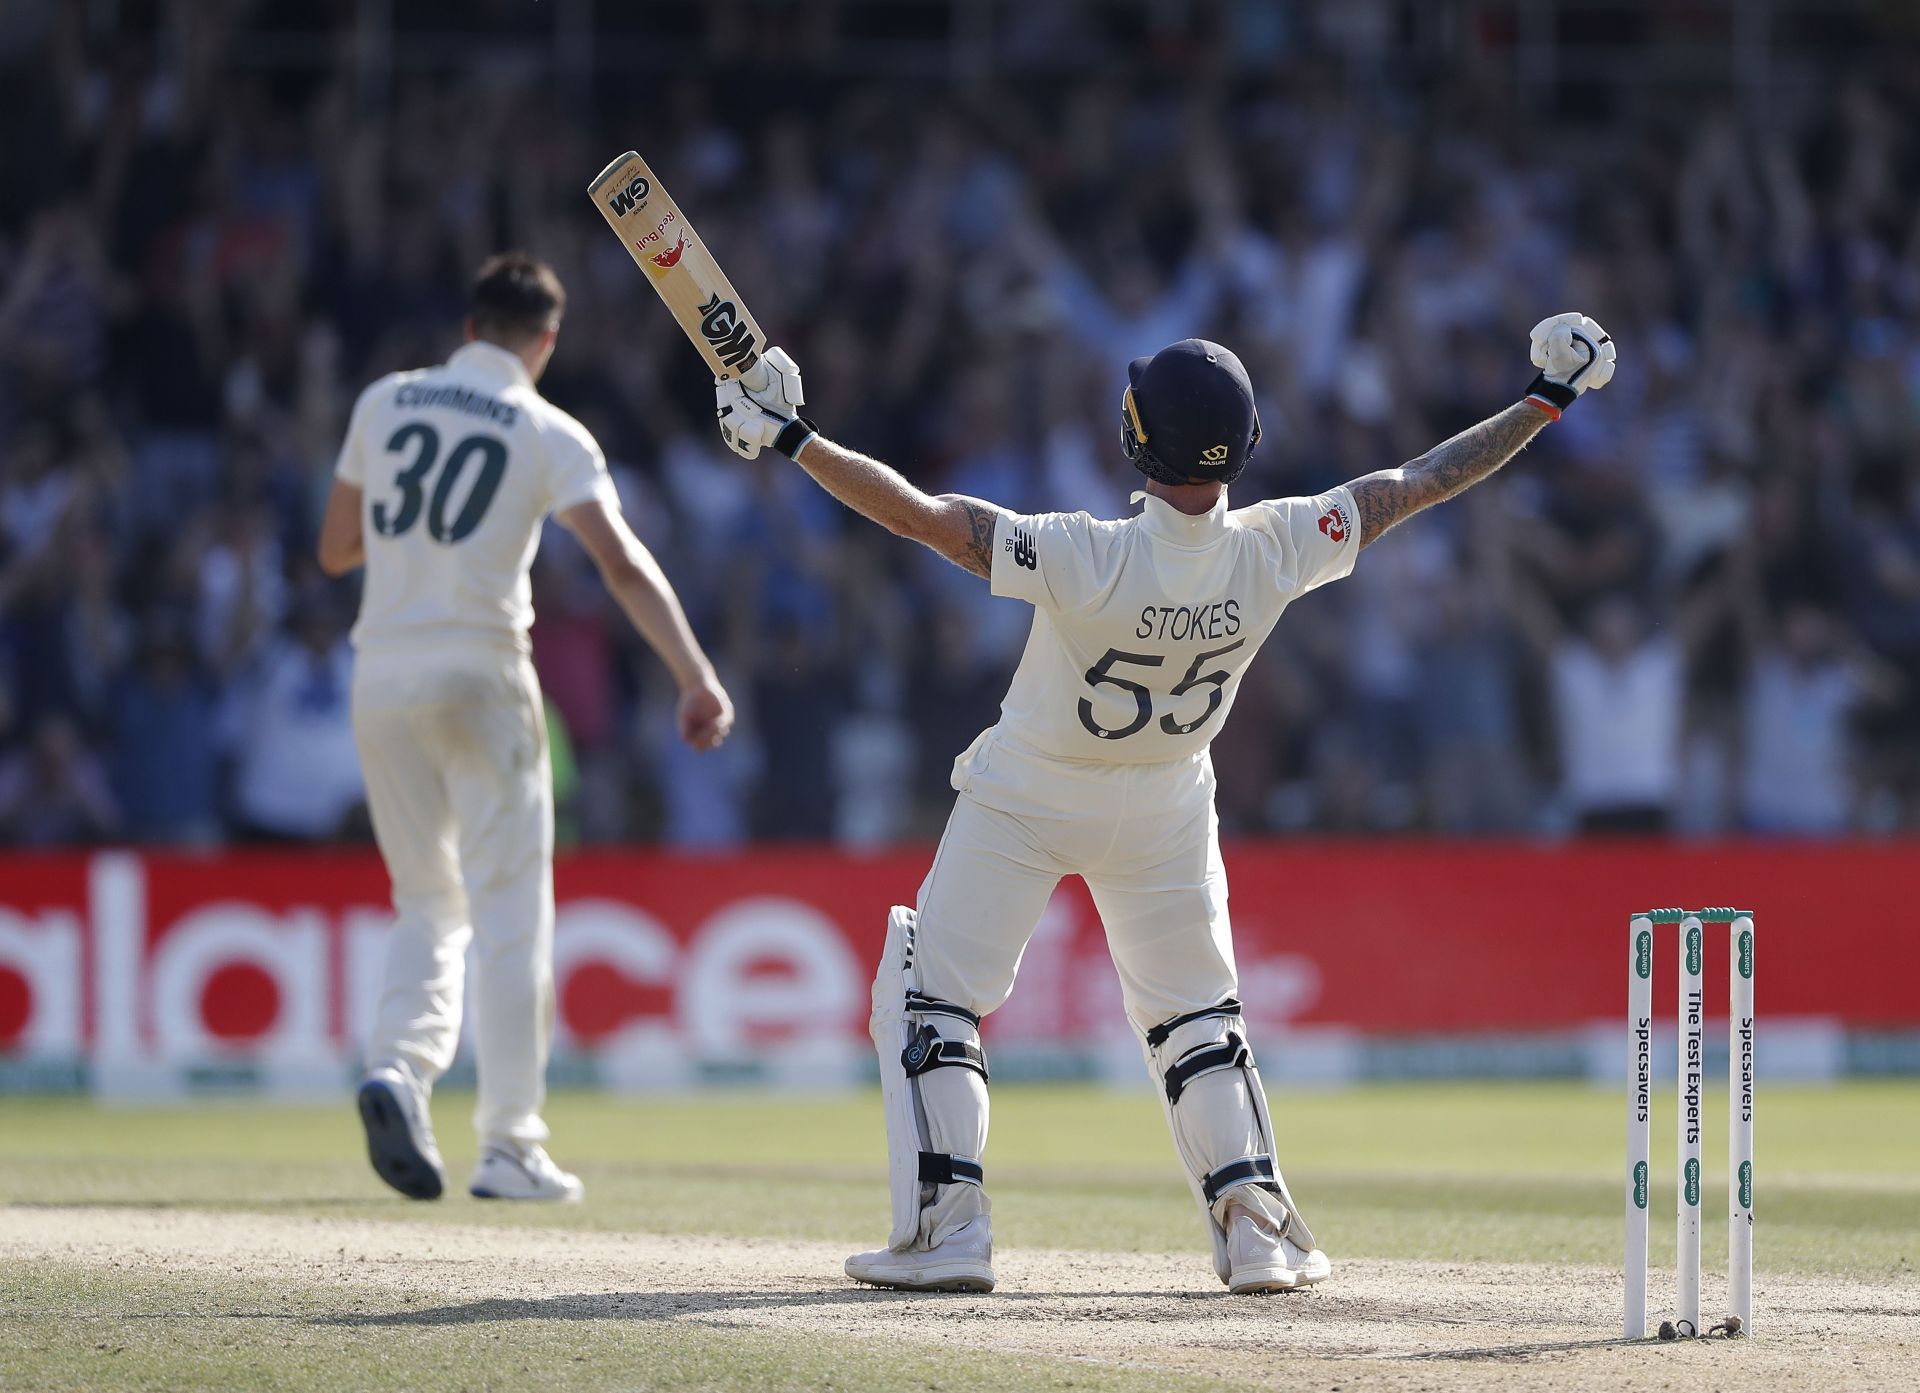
(1188, 415)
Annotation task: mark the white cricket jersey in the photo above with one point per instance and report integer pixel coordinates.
(1143, 627)
(460, 465)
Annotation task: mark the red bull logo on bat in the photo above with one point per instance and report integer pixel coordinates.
(662, 262)
(648, 239)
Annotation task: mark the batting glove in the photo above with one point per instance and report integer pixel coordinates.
(762, 408)
(1574, 355)
(774, 382)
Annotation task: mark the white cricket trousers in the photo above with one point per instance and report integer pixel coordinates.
(1145, 839)
(454, 747)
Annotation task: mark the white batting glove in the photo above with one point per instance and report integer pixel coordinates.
(762, 407)
(1574, 355)
(774, 382)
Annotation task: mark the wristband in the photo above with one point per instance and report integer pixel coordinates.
(1550, 397)
(793, 435)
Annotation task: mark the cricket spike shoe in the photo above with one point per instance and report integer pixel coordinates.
(1261, 1260)
(393, 1109)
(964, 1262)
(522, 1171)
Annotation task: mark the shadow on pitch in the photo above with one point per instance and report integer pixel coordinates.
(215, 1205)
(691, 1305)
(1494, 1354)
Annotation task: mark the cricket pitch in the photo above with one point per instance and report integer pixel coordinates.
(293, 1271)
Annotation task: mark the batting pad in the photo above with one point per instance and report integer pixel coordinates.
(1217, 1110)
(933, 1090)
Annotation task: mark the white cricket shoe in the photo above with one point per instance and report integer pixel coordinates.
(393, 1109)
(964, 1262)
(522, 1171)
(1259, 1260)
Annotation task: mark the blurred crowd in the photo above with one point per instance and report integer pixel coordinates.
(1694, 606)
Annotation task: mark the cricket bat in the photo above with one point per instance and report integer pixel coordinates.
(662, 243)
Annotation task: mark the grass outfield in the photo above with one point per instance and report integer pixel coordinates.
(1453, 1174)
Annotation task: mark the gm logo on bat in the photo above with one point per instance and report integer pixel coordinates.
(720, 326)
(625, 200)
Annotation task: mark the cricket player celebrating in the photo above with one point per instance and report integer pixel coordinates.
(1142, 629)
(441, 488)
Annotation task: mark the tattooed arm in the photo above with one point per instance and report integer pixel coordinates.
(958, 527)
(1448, 468)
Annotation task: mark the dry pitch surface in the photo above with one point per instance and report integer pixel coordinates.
(279, 1270)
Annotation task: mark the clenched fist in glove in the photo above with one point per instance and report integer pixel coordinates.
(767, 412)
(1573, 354)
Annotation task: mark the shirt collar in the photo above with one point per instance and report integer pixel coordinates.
(1161, 519)
(491, 360)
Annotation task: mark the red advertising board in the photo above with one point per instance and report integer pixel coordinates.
(666, 964)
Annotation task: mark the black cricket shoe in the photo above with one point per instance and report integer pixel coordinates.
(400, 1142)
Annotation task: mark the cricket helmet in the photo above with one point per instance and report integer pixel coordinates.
(1188, 415)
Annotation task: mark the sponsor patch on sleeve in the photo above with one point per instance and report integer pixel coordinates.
(1021, 545)
(1334, 523)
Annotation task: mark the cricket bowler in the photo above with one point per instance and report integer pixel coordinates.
(1098, 767)
(442, 485)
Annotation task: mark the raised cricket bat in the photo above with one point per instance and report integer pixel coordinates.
(662, 243)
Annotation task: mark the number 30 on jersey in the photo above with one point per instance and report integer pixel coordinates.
(411, 481)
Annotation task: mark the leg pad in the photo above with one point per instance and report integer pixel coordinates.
(927, 1050)
(938, 1169)
(1218, 1112)
(933, 1089)
(1251, 1170)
